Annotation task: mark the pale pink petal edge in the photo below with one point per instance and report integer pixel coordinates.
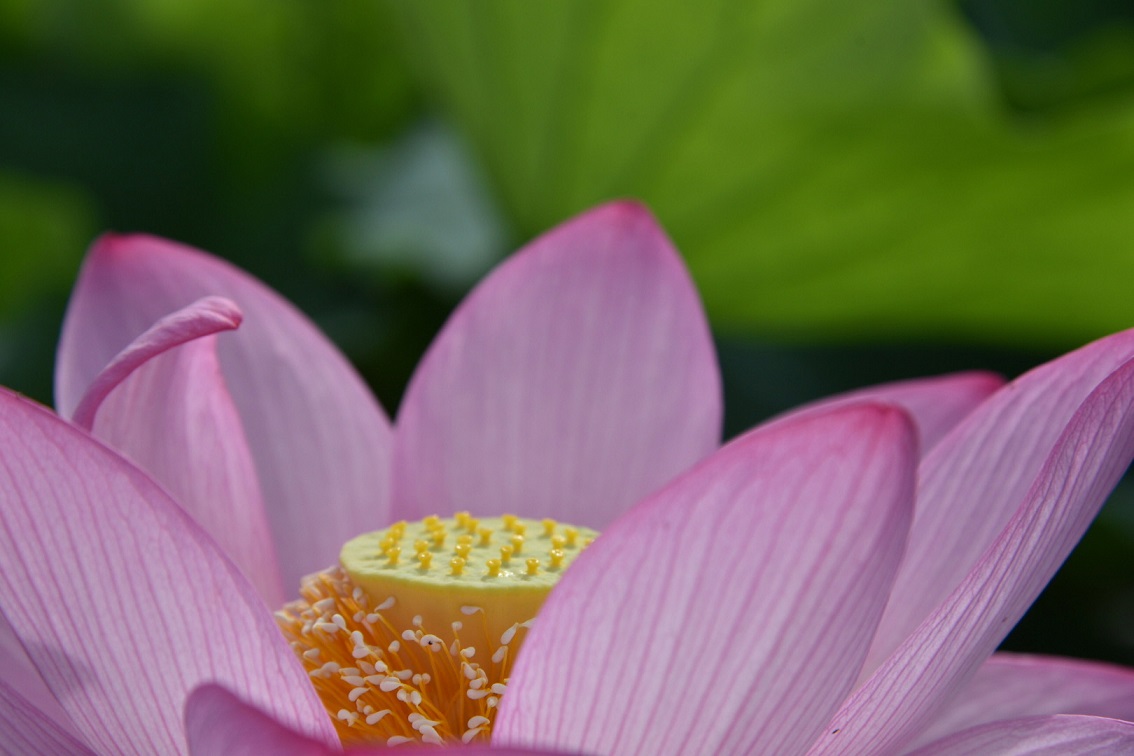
(1039, 736)
(1012, 686)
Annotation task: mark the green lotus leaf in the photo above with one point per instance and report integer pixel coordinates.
(830, 169)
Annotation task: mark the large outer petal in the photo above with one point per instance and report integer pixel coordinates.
(731, 611)
(973, 482)
(575, 379)
(1039, 736)
(939, 658)
(937, 404)
(121, 600)
(320, 441)
(1012, 686)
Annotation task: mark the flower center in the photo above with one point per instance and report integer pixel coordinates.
(413, 636)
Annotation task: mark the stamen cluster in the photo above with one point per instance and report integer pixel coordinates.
(406, 650)
(382, 683)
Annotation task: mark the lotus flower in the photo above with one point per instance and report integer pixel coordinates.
(782, 594)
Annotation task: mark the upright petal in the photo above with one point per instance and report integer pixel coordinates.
(320, 442)
(172, 415)
(1013, 686)
(1039, 736)
(936, 404)
(122, 602)
(577, 378)
(974, 481)
(731, 611)
(945, 651)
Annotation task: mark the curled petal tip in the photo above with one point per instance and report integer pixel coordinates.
(206, 316)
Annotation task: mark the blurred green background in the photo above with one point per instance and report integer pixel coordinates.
(863, 191)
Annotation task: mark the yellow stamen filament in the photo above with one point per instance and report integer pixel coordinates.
(457, 564)
(505, 555)
(392, 554)
(424, 558)
(548, 527)
(485, 536)
(533, 565)
(493, 567)
(572, 535)
(556, 557)
(386, 684)
(517, 543)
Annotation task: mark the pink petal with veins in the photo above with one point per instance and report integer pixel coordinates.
(174, 418)
(943, 654)
(974, 481)
(937, 404)
(122, 602)
(1039, 736)
(1013, 686)
(574, 380)
(729, 612)
(320, 442)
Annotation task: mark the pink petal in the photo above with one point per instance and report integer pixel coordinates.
(936, 404)
(163, 404)
(731, 611)
(121, 600)
(320, 442)
(220, 724)
(1011, 686)
(973, 482)
(21, 675)
(575, 379)
(202, 318)
(935, 662)
(1039, 736)
(26, 729)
